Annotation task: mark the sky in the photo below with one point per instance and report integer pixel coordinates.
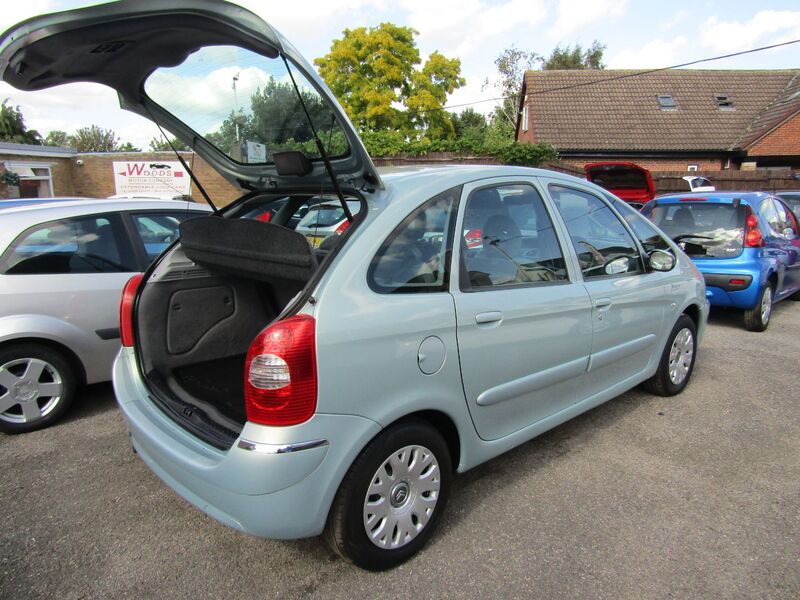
(637, 34)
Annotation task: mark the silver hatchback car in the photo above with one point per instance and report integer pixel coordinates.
(288, 390)
(63, 265)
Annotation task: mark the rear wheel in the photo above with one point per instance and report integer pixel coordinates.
(677, 361)
(757, 318)
(392, 498)
(37, 386)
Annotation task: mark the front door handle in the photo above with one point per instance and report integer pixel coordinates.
(602, 302)
(494, 316)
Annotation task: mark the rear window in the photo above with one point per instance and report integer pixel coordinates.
(325, 215)
(619, 179)
(709, 230)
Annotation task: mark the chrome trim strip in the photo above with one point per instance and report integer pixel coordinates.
(280, 448)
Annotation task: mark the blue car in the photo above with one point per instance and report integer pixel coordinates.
(745, 244)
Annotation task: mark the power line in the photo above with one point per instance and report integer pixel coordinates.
(628, 75)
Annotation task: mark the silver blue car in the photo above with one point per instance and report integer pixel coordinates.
(288, 390)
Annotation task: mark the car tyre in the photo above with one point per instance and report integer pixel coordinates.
(392, 498)
(37, 385)
(677, 361)
(757, 318)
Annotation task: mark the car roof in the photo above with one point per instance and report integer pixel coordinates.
(18, 218)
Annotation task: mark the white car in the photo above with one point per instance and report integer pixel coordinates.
(62, 268)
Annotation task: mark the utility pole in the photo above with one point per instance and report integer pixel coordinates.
(235, 107)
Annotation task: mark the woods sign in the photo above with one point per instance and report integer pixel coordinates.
(151, 178)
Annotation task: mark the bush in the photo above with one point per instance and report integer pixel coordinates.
(392, 143)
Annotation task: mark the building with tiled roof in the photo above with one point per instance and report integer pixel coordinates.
(666, 120)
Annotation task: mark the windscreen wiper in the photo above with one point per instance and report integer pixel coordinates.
(320, 146)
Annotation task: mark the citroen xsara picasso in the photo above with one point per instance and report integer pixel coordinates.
(288, 390)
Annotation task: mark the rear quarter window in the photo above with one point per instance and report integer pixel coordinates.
(415, 258)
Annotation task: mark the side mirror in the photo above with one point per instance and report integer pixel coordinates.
(661, 261)
(788, 233)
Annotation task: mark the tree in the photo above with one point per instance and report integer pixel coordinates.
(160, 145)
(511, 66)
(373, 72)
(56, 138)
(576, 58)
(13, 128)
(94, 139)
(128, 147)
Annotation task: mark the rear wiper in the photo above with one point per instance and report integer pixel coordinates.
(690, 236)
(320, 146)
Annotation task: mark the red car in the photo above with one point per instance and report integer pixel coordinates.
(626, 180)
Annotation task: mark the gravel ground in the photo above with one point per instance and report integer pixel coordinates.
(643, 497)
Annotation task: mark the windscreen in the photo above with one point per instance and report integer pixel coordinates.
(709, 230)
(246, 104)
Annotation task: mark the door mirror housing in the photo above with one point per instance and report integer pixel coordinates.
(661, 261)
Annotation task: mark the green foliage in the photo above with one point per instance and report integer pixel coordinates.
(576, 58)
(373, 72)
(94, 139)
(57, 138)
(392, 143)
(13, 128)
(10, 178)
(128, 147)
(161, 145)
(511, 66)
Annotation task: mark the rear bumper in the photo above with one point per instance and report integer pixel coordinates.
(275, 482)
(721, 292)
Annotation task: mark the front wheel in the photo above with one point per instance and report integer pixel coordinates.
(37, 386)
(392, 497)
(757, 318)
(677, 361)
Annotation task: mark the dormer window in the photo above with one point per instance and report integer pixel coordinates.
(724, 102)
(666, 102)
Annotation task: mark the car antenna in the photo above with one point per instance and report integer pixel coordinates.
(320, 147)
(183, 163)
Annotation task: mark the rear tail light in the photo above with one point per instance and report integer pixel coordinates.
(473, 238)
(266, 216)
(736, 282)
(126, 309)
(752, 234)
(342, 228)
(280, 373)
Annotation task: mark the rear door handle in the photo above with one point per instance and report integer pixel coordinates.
(494, 316)
(602, 302)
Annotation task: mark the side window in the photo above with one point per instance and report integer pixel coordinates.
(78, 245)
(785, 217)
(648, 236)
(159, 229)
(767, 210)
(416, 256)
(603, 245)
(508, 239)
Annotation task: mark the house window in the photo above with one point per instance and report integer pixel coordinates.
(666, 102)
(724, 102)
(35, 179)
(692, 168)
(524, 126)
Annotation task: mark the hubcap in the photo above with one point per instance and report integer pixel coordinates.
(766, 304)
(30, 389)
(402, 497)
(680, 356)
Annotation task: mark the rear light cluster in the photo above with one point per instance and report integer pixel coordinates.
(280, 373)
(752, 234)
(473, 238)
(342, 228)
(126, 309)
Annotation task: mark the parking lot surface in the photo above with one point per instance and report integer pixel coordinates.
(644, 497)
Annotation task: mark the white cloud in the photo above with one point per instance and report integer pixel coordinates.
(765, 28)
(14, 12)
(678, 18)
(576, 15)
(654, 54)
